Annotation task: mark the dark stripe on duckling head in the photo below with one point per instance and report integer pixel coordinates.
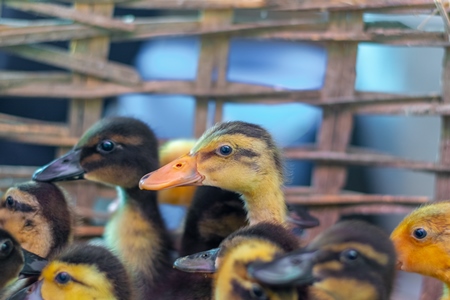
(249, 130)
(257, 292)
(14, 205)
(106, 262)
(134, 145)
(364, 252)
(245, 153)
(55, 209)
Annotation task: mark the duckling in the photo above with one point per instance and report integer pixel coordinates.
(213, 215)
(216, 213)
(39, 215)
(421, 240)
(83, 272)
(118, 151)
(15, 261)
(257, 243)
(11, 259)
(350, 260)
(167, 152)
(235, 156)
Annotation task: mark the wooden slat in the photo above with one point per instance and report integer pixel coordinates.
(88, 231)
(84, 64)
(41, 139)
(85, 112)
(284, 30)
(285, 4)
(67, 13)
(432, 288)
(337, 124)
(13, 129)
(16, 171)
(8, 79)
(364, 159)
(326, 200)
(213, 53)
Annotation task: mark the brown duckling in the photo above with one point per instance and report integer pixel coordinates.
(118, 151)
(350, 260)
(213, 215)
(257, 243)
(15, 261)
(11, 259)
(235, 156)
(82, 272)
(39, 215)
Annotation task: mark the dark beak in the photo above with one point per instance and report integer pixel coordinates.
(294, 268)
(66, 167)
(33, 264)
(300, 217)
(202, 262)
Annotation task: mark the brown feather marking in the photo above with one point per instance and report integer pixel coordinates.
(26, 227)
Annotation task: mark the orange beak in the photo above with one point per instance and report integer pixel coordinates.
(180, 172)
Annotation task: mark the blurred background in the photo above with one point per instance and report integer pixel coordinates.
(275, 63)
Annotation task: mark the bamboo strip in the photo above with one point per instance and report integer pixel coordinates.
(284, 30)
(88, 231)
(80, 63)
(68, 13)
(40, 129)
(365, 159)
(8, 79)
(325, 200)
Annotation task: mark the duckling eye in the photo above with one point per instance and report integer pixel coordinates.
(63, 277)
(106, 146)
(420, 233)
(10, 202)
(257, 292)
(350, 255)
(6, 248)
(225, 150)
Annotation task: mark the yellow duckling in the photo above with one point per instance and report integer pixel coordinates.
(253, 244)
(234, 156)
(85, 272)
(351, 260)
(421, 241)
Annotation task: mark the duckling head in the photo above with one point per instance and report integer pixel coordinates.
(232, 280)
(422, 241)
(210, 260)
(236, 156)
(115, 151)
(351, 260)
(39, 216)
(11, 259)
(83, 272)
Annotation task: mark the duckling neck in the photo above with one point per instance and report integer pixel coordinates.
(265, 205)
(138, 235)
